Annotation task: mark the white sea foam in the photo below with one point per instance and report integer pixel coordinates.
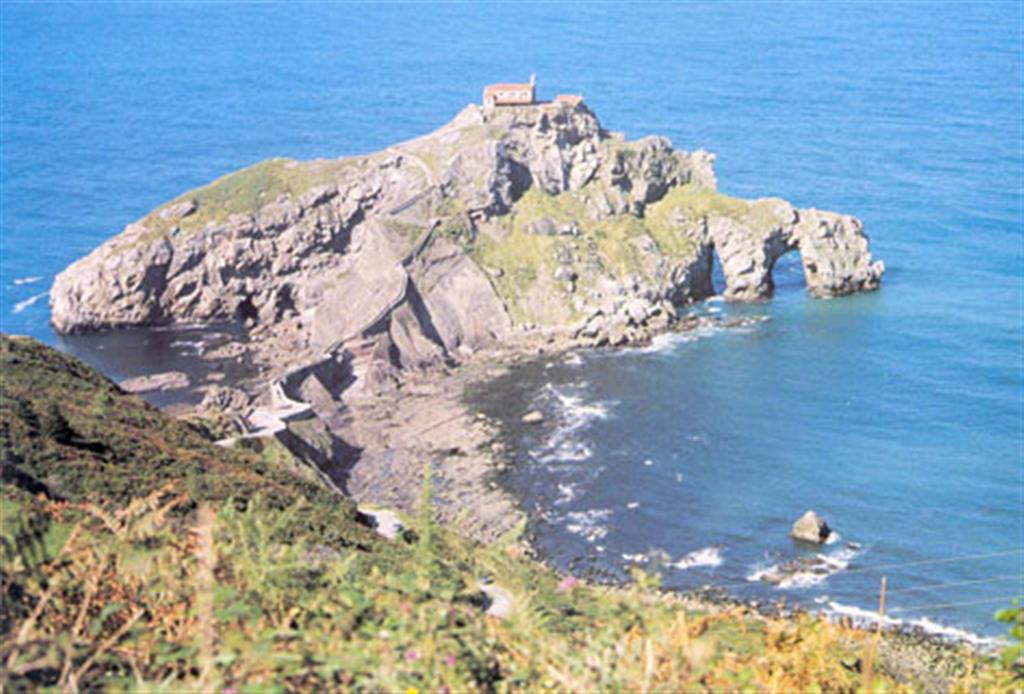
(714, 309)
(955, 634)
(566, 493)
(27, 280)
(813, 573)
(573, 359)
(708, 556)
(639, 558)
(863, 617)
(588, 524)
(859, 615)
(666, 342)
(195, 346)
(22, 305)
(633, 505)
(573, 415)
(662, 343)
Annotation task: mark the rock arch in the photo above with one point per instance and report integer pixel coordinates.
(833, 251)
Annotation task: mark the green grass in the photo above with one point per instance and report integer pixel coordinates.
(122, 447)
(153, 559)
(246, 191)
(523, 257)
(700, 203)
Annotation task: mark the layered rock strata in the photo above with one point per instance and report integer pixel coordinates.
(506, 224)
(504, 221)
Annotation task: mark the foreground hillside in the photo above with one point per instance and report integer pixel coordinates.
(138, 555)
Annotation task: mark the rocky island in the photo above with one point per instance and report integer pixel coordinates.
(361, 282)
(236, 548)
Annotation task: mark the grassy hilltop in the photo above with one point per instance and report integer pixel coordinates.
(137, 555)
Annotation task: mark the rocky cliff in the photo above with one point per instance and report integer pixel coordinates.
(505, 222)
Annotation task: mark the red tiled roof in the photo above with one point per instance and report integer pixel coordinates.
(572, 99)
(502, 86)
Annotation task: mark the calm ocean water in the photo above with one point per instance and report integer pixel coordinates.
(895, 415)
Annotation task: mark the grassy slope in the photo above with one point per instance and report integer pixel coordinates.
(526, 259)
(245, 191)
(172, 562)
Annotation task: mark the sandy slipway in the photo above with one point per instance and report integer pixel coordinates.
(372, 288)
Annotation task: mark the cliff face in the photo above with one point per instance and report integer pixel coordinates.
(503, 222)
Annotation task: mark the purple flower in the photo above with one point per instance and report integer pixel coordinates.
(411, 655)
(567, 583)
(449, 660)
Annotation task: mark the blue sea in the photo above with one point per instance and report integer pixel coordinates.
(895, 415)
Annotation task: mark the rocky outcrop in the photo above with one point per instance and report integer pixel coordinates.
(810, 527)
(503, 223)
(168, 380)
(833, 249)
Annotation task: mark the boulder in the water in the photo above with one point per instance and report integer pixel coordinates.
(810, 528)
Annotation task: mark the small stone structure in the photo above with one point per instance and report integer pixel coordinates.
(511, 93)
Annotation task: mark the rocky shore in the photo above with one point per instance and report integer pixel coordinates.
(375, 290)
(371, 289)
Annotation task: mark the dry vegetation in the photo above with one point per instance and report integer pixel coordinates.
(240, 575)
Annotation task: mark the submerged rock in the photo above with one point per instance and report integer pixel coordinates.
(810, 527)
(534, 417)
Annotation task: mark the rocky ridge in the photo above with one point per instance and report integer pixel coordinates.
(504, 221)
(506, 226)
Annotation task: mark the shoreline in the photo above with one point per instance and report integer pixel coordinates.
(427, 417)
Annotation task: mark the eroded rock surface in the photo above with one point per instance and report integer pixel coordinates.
(505, 227)
(810, 527)
(504, 221)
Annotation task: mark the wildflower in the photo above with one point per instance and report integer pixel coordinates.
(567, 583)
(411, 655)
(449, 660)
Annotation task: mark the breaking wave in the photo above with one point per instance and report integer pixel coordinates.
(27, 280)
(22, 305)
(573, 415)
(805, 572)
(588, 524)
(864, 618)
(708, 556)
